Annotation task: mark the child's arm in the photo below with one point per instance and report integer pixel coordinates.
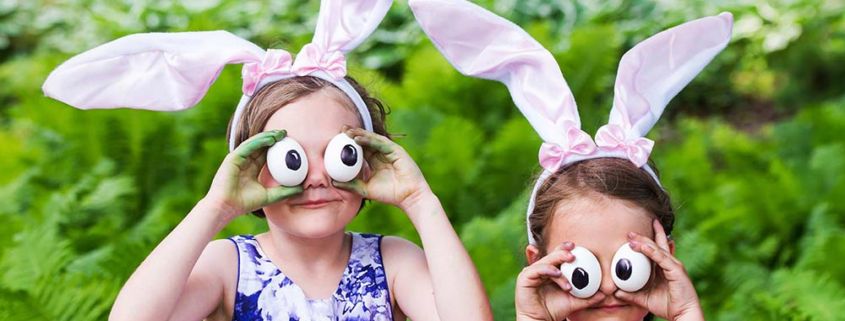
(444, 276)
(184, 268)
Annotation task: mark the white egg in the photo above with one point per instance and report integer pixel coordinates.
(584, 274)
(287, 162)
(630, 269)
(343, 158)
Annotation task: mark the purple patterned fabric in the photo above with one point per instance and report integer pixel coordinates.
(265, 293)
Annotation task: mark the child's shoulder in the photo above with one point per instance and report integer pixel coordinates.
(395, 243)
(399, 253)
(220, 251)
(217, 266)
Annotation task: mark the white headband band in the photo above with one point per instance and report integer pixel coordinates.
(341, 84)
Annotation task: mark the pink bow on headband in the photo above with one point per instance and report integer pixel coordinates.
(578, 143)
(278, 62)
(612, 139)
(275, 62)
(311, 58)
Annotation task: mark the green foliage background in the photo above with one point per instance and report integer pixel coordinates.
(752, 151)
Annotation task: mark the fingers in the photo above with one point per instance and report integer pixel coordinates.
(660, 236)
(356, 186)
(536, 274)
(579, 304)
(279, 193)
(559, 255)
(668, 263)
(637, 298)
(257, 142)
(549, 266)
(254, 167)
(372, 140)
(568, 246)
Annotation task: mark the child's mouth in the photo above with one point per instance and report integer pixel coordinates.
(610, 308)
(314, 203)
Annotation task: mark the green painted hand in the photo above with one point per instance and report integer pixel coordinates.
(395, 179)
(236, 186)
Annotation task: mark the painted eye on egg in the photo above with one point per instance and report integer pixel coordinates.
(630, 269)
(343, 158)
(584, 274)
(287, 162)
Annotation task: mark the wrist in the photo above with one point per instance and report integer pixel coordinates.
(421, 201)
(692, 313)
(222, 211)
(525, 317)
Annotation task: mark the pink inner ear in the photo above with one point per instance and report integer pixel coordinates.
(342, 25)
(655, 70)
(490, 47)
(178, 67)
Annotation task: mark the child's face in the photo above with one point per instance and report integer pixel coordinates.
(321, 209)
(599, 224)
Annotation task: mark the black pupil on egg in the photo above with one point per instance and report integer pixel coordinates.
(623, 269)
(580, 278)
(348, 155)
(292, 160)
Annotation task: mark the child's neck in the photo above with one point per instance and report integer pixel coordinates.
(313, 254)
(316, 265)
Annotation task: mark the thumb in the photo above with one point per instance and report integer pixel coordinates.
(357, 186)
(279, 193)
(579, 304)
(638, 298)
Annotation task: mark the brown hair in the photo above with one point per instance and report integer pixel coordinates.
(613, 177)
(274, 96)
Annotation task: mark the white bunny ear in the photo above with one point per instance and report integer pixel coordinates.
(656, 69)
(155, 71)
(481, 44)
(343, 24)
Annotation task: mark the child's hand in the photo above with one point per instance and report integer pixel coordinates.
(672, 296)
(395, 179)
(235, 187)
(542, 292)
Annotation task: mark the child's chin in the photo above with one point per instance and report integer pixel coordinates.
(318, 222)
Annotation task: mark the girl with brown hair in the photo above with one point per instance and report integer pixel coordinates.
(307, 146)
(598, 219)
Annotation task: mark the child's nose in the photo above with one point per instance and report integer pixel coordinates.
(317, 175)
(607, 285)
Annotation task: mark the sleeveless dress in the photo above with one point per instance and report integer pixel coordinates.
(265, 293)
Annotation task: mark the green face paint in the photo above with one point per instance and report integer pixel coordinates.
(380, 146)
(282, 192)
(263, 139)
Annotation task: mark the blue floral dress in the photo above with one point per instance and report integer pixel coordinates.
(265, 293)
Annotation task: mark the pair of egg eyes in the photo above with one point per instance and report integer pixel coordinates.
(288, 165)
(630, 271)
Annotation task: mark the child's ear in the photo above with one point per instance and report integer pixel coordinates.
(672, 247)
(532, 253)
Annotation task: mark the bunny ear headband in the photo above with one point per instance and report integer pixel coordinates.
(173, 71)
(650, 74)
